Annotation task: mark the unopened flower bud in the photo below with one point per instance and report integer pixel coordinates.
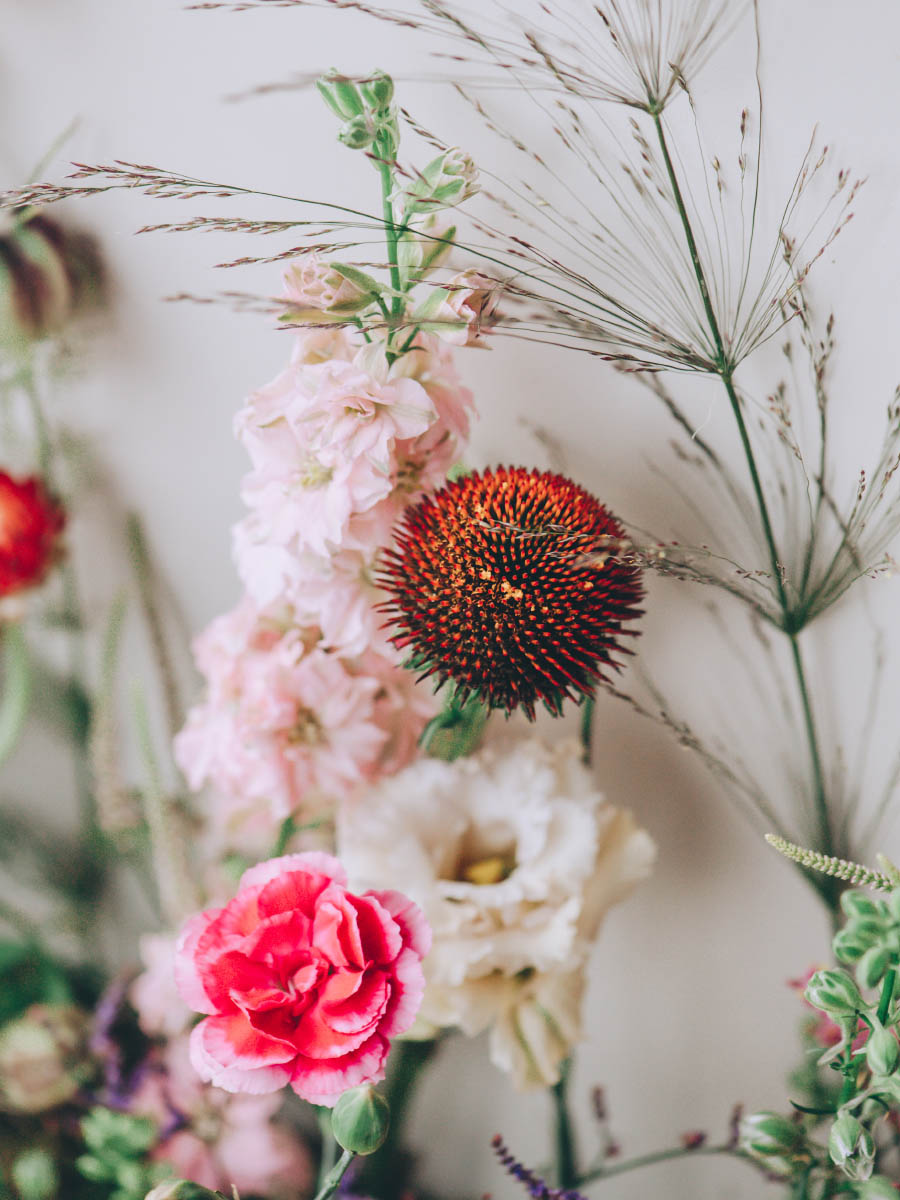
(377, 90)
(360, 1120)
(860, 905)
(320, 291)
(768, 1134)
(876, 1188)
(358, 133)
(872, 966)
(834, 992)
(34, 1175)
(340, 94)
(882, 1051)
(848, 946)
(181, 1189)
(851, 1147)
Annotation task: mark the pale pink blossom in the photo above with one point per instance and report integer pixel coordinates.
(220, 1140)
(283, 722)
(465, 311)
(318, 292)
(302, 982)
(160, 1009)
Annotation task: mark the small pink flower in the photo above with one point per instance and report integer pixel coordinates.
(302, 981)
(160, 1009)
(220, 1140)
(318, 292)
(471, 299)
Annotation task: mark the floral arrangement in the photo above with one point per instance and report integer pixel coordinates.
(359, 842)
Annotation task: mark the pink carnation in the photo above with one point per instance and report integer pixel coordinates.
(302, 981)
(219, 1140)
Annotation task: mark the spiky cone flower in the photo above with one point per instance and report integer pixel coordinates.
(513, 584)
(30, 525)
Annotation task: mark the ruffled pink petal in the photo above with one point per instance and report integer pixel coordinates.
(336, 930)
(282, 940)
(323, 1082)
(315, 1038)
(380, 934)
(311, 860)
(229, 1053)
(293, 891)
(187, 973)
(406, 994)
(357, 1012)
(415, 928)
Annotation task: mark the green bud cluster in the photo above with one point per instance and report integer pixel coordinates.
(446, 181)
(366, 109)
(117, 1148)
(870, 939)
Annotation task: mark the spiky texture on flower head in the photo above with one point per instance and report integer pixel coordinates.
(511, 583)
(30, 524)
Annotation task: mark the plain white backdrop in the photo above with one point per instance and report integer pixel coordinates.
(688, 1011)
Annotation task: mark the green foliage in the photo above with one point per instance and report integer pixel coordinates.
(117, 1146)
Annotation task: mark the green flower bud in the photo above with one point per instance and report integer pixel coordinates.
(360, 1120)
(766, 1134)
(893, 904)
(377, 90)
(882, 1052)
(358, 133)
(876, 1188)
(848, 946)
(861, 905)
(834, 992)
(851, 1147)
(340, 94)
(182, 1189)
(34, 1175)
(871, 967)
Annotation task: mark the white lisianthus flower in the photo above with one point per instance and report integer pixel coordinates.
(514, 858)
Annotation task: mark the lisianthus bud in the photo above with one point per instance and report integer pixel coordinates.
(848, 946)
(320, 291)
(834, 992)
(769, 1135)
(360, 1120)
(882, 1051)
(183, 1189)
(460, 310)
(446, 181)
(872, 966)
(859, 905)
(851, 1147)
(358, 133)
(42, 1058)
(340, 94)
(377, 90)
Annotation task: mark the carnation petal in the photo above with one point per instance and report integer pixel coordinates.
(323, 1081)
(359, 1011)
(216, 1061)
(414, 927)
(310, 860)
(186, 967)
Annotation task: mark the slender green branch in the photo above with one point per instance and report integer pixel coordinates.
(566, 1158)
(887, 994)
(16, 687)
(789, 619)
(333, 1179)
(391, 233)
(657, 1156)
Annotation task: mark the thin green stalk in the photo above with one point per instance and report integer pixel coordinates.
(16, 687)
(587, 729)
(725, 369)
(330, 1148)
(333, 1179)
(887, 993)
(657, 1156)
(566, 1157)
(391, 234)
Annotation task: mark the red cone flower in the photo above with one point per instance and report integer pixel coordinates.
(30, 524)
(512, 585)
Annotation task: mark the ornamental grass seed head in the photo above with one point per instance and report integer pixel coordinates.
(514, 584)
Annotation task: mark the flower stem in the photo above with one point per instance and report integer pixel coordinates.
(333, 1179)
(566, 1159)
(887, 992)
(657, 1156)
(391, 234)
(790, 625)
(16, 687)
(586, 730)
